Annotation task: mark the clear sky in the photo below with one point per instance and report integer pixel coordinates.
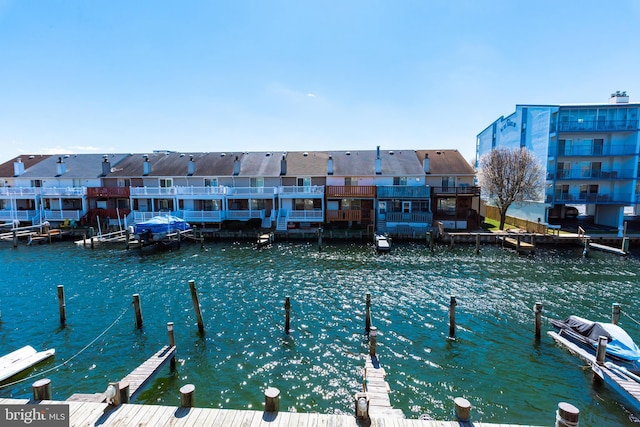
(112, 76)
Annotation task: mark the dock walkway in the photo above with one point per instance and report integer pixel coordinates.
(130, 415)
(377, 390)
(622, 383)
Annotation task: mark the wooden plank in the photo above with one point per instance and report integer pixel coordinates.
(142, 375)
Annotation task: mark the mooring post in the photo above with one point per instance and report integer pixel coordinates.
(127, 235)
(138, 310)
(362, 405)
(518, 243)
(124, 392)
(602, 350)
(15, 239)
(42, 389)
(537, 310)
(271, 400)
(287, 310)
(462, 409)
(477, 243)
(567, 415)
(373, 338)
(452, 240)
(431, 240)
(367, 319)
(186, 395)
(91, 232)
(452, 317)
(196, 305)
(113, 394)
(615, 313)
(319, 239)
(61, 305)
(172, 343)
(585, 252)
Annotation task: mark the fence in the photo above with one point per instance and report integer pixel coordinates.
(493, 213)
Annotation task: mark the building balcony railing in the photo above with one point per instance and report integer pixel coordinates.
(201, 191)
(108, 192)
(292, 191)
(251, 191)
(404, 191)
(64, 191)
(9, 215)
(202, 216)
(592, 174)
(586, 198)
(19, 191)
(413, 217)
(458, 191)
(349, 191)
(306, 215)
(590, 150)
(597, 125)
(61, 215)
(344, 215)
(244, 215)
(152, 191)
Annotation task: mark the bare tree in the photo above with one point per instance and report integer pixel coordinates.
(510, 175)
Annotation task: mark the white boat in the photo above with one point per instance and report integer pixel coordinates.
(382, 243)
(22, 359)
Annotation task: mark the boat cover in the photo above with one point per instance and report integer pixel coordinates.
(619, 343)
(161, 224)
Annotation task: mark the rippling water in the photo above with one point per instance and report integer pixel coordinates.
(495, 361)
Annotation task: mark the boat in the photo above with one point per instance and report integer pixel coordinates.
(382, 243)
(17, 361)
(621, 349)
(264, 239)
(160, 229)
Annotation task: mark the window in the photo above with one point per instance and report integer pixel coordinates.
(123, 182)
(211, 182)
(382, 207)
(257, 182)
(597, 147)
(304, 182)
(448, 182)
(406, 207)
(400, 180)
(36, 183)
(303, 204)
(447, 206)
(350, 181)
(166, 182)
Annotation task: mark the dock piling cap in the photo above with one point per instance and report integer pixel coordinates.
(568, 412)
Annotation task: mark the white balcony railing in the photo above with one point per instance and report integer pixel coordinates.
(307, 190)
(19, 191)
(203, 216)
(61, 215)
(9, 215)
(305, 215)
(201, 191)
(251, 191)
(243, 215)
(64, 191)
(153, 191)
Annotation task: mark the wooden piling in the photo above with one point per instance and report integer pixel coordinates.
(42, 389)
(15, 239)
(567, 415)
(113, 391)
(615, 313)
(287, 309)
(319, 239)
(196, 305)
(172, 343)
(138, 310)
(518, 243)
(585, 252)
(431, 238)
(452, 317)
(452, 241)
(62, 308)
(186, 395)
(367, 320)
(373, 338)
(272, 399)
(462, 409)
(601, 350)
(537, 310)
(124, 392)
(477, 243)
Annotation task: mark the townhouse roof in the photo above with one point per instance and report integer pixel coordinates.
(260, 163)
(446, 162)
(76, 165)
(363, 163)
(7, 169)
(173, 164)
(307, 163)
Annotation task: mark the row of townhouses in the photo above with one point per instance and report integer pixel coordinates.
(400, 191)
(590, 153)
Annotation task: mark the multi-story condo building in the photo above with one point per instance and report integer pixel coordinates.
(385, 191)
(590, 153)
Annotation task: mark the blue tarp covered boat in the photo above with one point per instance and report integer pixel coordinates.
(159, 228)
(621, 349)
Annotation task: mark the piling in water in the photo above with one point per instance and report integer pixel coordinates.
(61, 305)
(196, 305)
(42, 389)
(138, 310)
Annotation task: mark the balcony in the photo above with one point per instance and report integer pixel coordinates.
(29, 192)
(351, 191)
(201, 191)
(404, 191)
(264, 192)
(457, 191)
(591, 174)
(306, 215)
(244, 215)
(589, 198)
(108, 192)
(412, 218)
(590, 150)
(64, 191)
(202, 216)
(9, 215)
(598, 125)
(152, 191)
(61, 215)
(314, 191)
(344, 215)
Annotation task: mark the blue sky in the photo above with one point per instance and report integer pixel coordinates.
(136, 76)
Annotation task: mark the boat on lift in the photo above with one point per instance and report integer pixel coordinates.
(382, 243)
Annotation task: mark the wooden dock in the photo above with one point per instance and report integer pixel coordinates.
(608, 249)
(377, 390)
(517, 243)
(614, 376)
(130, 415)
(137, 379)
